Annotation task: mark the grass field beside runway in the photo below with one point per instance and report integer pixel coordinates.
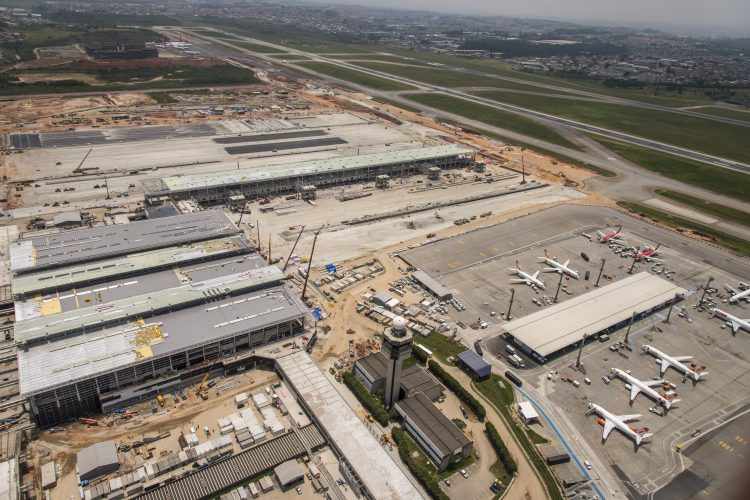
(707, 136)
(355, 76)
(494, 117)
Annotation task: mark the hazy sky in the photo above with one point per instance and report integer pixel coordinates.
(710, 15)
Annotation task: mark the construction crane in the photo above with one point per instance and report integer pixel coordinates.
(79, 168)
(202, 390)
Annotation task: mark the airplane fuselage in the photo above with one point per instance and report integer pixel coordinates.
(644, 387)
(674, 362)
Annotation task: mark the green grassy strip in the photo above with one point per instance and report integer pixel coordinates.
(725, 112)
(718, 180)
(721, 139)
(446, 77)
(455, 386)
(491, 116)
(355, 76)
(442, 347)
(506, 460)
(370, 402)
(501, 395)
(729, 241)
(419, 465)
(724, 212)
(162, 97)
(536, 438)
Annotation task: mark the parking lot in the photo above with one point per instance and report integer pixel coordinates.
(476, 266)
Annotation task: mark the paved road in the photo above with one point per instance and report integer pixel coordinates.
(631, 183)
(585, 127)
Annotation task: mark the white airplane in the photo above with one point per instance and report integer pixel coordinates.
(675, 362)
(612, 421)
(646, 386)
(557, 267)
(735, 322)
(742, 294)
(526, 278)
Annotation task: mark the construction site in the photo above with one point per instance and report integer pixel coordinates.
(215, 297)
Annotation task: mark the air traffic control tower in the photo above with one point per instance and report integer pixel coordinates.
(396, 347)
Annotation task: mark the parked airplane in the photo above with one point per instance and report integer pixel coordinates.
(733, 321)
(612, 421)
(609, 236)
(557, 267)
(647, 253)
(675, 362)
(743, 293)
(526, 278)
(646, 386)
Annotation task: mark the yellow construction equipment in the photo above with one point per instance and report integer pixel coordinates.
(160, 400)
(202, 390)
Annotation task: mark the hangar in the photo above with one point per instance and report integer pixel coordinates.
(558, 328)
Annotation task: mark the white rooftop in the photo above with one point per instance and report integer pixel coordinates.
(556, 327)
(313, 167)
(376, 469)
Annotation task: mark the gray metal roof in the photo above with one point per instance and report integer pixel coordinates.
(65, 248)
(145, 305)
(178, 183)
(136, 263)
(217, 477)
(432, 424)
(288, 472)
(97, 455)
(65, 360)
(377, 470)
(473, 360)
(98, 294)
(431, 284)
(558, 326)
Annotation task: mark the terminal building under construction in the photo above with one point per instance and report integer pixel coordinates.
(219, 187)
(112, 315)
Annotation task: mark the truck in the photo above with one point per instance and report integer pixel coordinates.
(513, 378)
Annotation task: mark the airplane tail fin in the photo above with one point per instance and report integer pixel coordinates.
(641, 438)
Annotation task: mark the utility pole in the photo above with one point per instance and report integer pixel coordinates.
(580, 351)
(512, 295)
(106, 186)
(257, 224)
(292, 250)
(705, 289)
(269, 247)
(523, 167)
(242, 212)
(632, 264)
(671, 305)
(309, 265)
(601, 270)
(559, 284)
(630, 325)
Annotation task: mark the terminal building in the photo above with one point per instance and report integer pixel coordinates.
(112, 315)
(251, 183)
(560, 328)
(435, 433)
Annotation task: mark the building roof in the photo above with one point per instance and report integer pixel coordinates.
(10, 480)
(178, 183)
(75, 246)
(288, 472)
(377, 470)
(143, 305)
(558, 326)
(413, 378)
(88, 295)
(473, 361)
(527, 411)
(132, 264)
(433, 424)
(69, 359)
(97, 455)
(66, 218)
(431, 284)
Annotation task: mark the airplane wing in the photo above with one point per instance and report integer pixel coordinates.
(682, 358)
(634, 391)
(566, 263)
(653, 383)
(519, 281)
(535, 275)
(664, 365)
(628, 418)
(608, 427)
(735, 326)
(550, 270)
